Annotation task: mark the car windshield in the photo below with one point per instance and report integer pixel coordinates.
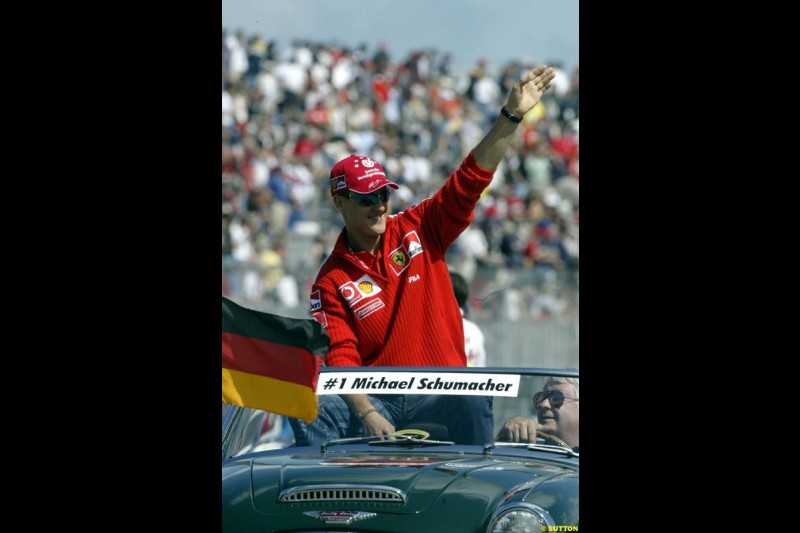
(521, 399)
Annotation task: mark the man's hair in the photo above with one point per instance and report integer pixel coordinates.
(460, 288)
(571, 381)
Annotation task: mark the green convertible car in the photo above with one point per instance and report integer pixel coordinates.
(524, 479)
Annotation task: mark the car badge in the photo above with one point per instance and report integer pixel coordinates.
(339, 517)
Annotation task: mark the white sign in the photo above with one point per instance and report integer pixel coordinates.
(456, 383)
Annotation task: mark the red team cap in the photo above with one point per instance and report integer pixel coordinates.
(359, 174)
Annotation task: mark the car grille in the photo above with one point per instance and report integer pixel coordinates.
(327, 493)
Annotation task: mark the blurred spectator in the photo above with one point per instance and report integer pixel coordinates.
(470, 248)
(473, 336)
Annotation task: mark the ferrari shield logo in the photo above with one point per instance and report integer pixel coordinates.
(399, 258)
(403, 255)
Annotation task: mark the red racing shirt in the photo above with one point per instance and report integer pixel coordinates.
(401, 311)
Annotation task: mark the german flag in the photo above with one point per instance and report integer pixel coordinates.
(271, 362)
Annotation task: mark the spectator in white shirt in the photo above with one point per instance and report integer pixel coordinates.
(473, 336)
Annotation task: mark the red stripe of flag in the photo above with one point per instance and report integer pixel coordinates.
(279, 361)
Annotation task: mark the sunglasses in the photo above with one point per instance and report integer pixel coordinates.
(370, 200)
(556, 398)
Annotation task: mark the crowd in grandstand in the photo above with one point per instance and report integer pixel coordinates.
(292, 110)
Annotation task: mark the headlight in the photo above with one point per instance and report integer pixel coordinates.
(520, 518)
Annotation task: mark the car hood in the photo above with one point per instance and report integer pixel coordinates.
(423, 476)
(425, 479)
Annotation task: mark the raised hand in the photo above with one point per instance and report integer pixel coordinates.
(528, 91)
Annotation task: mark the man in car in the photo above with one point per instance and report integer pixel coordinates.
(384, 293)
(557, 409)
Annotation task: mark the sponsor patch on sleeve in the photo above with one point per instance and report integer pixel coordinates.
(412, 243)
(316, 301)
(400, 257)
(321, 318)
(315, 308)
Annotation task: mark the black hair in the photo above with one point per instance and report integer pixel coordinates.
(460, 288)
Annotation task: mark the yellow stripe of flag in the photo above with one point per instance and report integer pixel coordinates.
(284, 398)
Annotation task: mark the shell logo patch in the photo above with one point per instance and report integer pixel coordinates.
(355, 291)
(361, 296)
(365, 286)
